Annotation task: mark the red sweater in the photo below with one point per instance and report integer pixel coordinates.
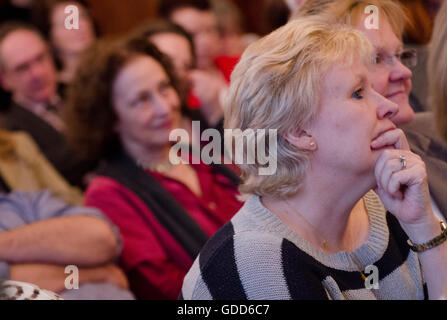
(154, 262)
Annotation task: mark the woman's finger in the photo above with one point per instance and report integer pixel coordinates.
(395, 138)
(391, 166)
(401, 180)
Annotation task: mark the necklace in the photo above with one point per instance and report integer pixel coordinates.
(323, 242)
(161, 167)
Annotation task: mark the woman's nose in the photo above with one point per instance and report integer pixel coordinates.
(400, 71)
(385, 107)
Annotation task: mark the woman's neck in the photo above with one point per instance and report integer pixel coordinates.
(325, 212)
(146, 155)
(70, 62)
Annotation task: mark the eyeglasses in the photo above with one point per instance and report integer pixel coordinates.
(408, 58)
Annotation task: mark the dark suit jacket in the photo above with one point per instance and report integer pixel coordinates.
(50, 141)
(425, 141)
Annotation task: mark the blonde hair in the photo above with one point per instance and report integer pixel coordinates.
(277, 85)
(437, 69)
(347, 11)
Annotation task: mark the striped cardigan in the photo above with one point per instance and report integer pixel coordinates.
(255, 256)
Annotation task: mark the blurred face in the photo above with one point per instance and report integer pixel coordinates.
(178, 49)
(203, 27)
(390, 79)
(294, 5)
(351, 115)
(27, 67)
(75, 40)
(146, 104)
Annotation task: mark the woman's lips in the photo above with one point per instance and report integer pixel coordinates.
(164, 125)
(395, 94)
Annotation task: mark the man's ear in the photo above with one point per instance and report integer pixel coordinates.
(302, 140)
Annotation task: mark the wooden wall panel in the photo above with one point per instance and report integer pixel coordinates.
(118, 16)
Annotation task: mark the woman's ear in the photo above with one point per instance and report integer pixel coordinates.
(302, 140)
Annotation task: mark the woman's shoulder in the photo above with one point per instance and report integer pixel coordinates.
(252, 264)
(232, 260)
(106, 192)
(103, 183)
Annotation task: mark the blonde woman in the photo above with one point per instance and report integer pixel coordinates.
(437, 70)
(391, 76)
(303, 233)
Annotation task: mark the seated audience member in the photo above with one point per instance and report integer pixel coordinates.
(391, 77)
(297, 236)
(40, 235)
(123, 106)
(28, 72)
(209, 81)
(437, 70)
(294, 5)
(230, 24)
(24, 168)
(67, 44)
(173, 41)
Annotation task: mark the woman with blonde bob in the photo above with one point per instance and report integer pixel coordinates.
(391, 76)
(437, 69)
(303, 233)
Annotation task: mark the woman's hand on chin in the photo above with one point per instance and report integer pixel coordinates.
(402, 186)
(402, 179)
(391, 138)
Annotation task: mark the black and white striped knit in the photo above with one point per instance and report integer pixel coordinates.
(255, 256)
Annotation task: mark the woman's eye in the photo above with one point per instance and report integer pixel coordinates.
(141, 99)
(358, 94)
(165, 87)
(377, 59)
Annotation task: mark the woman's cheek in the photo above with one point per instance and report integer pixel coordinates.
(379, 82)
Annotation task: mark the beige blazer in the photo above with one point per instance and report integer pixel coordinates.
(24, 168)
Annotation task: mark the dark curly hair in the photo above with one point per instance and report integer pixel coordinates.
(89, 112)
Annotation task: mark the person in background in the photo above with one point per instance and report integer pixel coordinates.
(28, 72)
(67, 44)
(123, 105)
(437, 69)
(230, 23)
(173, 41)
(303, 234)
(391, 77)
(14, 10)
(210, 81)
(40, 235)
(294, 5)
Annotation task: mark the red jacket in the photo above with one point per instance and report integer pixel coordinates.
(152, 259)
